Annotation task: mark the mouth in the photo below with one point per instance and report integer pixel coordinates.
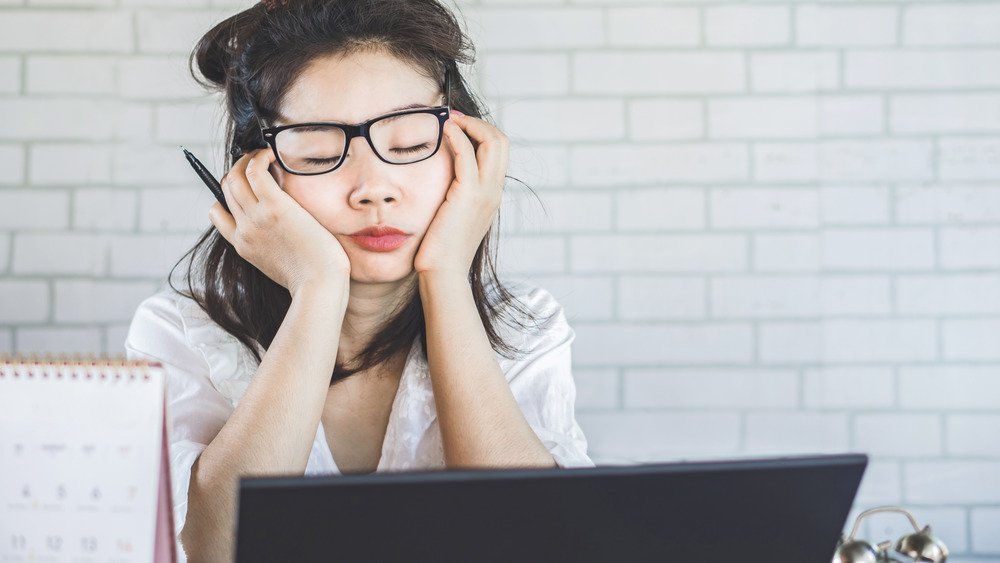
(385, 243)
(378, 230)
(380, 238)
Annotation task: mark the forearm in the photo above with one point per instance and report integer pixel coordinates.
(481, 422)
(272, 428)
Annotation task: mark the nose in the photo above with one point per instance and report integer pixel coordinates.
(371, 186)
(372, 197)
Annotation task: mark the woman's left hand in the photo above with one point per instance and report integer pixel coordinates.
(472, 199)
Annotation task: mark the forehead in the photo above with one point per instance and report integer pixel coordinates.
(356, 87)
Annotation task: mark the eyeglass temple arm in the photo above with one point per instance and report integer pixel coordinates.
(447, 86)
(260, 123)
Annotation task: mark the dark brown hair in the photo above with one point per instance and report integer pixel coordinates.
(253, 57)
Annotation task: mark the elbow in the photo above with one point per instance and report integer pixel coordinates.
(189, 544)
(204, 537)
(207, 534)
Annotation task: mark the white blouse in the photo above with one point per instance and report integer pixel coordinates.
(208, 371)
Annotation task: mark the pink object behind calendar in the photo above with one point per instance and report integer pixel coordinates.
(83, 452)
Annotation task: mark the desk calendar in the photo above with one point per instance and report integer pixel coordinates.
(83, 460)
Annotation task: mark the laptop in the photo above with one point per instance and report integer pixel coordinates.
(768, 509)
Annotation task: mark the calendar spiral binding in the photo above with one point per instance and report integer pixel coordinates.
(75, 366)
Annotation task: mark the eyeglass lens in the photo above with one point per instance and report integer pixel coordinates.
(398, 139)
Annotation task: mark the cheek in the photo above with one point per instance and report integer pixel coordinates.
(432, 180)
(278, 174)
(428, 192)
(443, 173)
(439, 181)
(317, 199)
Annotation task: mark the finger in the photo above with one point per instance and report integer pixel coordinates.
(466, 167)
(481, 132)
(240, 184)
(258, 173)
(223, 221)
(235, 209)
(491, 147)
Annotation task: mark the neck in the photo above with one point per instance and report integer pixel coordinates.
(369, 306)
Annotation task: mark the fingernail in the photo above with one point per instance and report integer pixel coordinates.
(456, 111)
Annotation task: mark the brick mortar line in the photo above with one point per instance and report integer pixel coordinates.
(620, 403)
(31, 276)
(525, 143)
(8, 265)
(207, 99)
(641, 275)
(950, 364)
(670, 50)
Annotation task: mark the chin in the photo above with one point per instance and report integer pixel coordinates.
(381, 271)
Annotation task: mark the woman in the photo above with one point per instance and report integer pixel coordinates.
(347, 318)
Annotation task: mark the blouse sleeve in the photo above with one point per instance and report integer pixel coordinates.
(196, 409)
(542, 383)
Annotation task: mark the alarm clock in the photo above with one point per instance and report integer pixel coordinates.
(921, 545)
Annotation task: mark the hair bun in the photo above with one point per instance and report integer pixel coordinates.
(272, 4)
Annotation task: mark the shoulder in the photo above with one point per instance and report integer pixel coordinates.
(156, 319)
(532, 299)
(175, 330)
(169, 313)
(540, 301)
(163, 314)
(535, 320)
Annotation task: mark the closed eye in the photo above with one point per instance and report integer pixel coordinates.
(322, 160)
(413, 149)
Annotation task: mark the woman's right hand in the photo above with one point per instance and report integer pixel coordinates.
(273, 232)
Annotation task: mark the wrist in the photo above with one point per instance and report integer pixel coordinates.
(427, 277)
(333, 289)
(438, 282)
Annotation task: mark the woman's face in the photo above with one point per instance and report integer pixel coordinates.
(364, 191)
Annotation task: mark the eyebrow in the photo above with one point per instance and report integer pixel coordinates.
(408, 106)
(286, 121)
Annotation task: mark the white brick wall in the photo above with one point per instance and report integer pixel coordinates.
(774, 226)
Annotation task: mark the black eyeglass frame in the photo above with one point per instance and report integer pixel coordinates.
(443, 112)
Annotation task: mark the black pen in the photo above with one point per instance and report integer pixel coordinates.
(206, 177)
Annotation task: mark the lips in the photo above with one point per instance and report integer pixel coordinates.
(378, 231)
(380, 238)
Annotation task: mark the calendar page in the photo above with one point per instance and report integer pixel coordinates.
(81, 459)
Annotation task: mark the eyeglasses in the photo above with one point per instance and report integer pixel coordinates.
(319, 147)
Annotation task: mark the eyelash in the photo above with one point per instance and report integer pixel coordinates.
(406, 150)
(415, 148)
